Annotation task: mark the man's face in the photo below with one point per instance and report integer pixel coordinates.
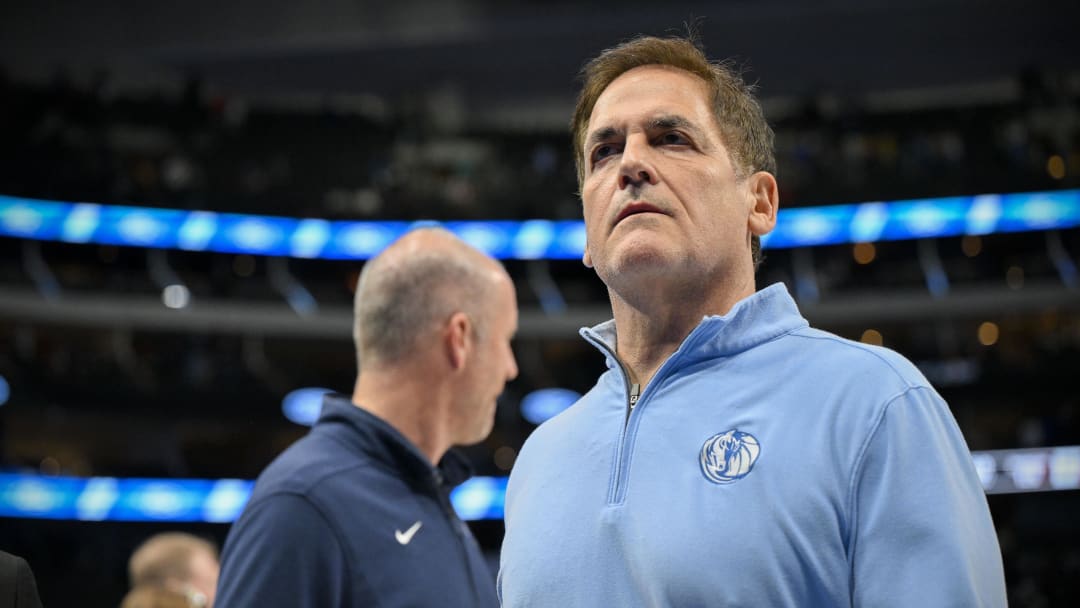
(491, 366)
(661, 196)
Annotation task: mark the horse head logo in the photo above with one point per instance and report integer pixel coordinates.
(729, 456)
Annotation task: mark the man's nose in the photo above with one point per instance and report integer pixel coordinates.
(636, 165)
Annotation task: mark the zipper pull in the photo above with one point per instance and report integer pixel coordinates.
(635, 392)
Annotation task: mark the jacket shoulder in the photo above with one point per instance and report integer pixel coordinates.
(856, 360)
(313, 462)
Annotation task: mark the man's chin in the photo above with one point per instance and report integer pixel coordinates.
(481, 434)
(636, 263)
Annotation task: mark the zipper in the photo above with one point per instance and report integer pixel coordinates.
(633, 391)
(460, 528)
(617, 483)
(617, 486)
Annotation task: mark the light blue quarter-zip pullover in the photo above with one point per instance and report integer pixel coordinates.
(766, 464)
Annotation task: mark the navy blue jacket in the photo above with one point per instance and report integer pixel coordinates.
(354, 515)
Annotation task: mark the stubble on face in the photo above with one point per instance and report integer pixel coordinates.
(657, 122)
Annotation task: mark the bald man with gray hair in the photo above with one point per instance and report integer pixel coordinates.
(413, 286)
(358, 512)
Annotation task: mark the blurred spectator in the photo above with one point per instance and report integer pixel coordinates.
(178, 562)
(153, 596)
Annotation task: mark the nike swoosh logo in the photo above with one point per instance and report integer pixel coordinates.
(406, 536)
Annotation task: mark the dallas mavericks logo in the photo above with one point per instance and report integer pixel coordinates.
(729, 456)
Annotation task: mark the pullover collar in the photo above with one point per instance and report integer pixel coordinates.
(754, 320)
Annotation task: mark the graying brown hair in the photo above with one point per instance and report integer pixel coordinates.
(743, 128)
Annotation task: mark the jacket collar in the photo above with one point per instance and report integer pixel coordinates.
(754, 320)
(366, 432)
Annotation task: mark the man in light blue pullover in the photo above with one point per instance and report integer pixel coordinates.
(731, 455)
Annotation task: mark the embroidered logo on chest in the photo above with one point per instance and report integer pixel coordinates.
(729, 456)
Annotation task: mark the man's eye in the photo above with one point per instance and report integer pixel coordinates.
(603, 151)
(673, 138)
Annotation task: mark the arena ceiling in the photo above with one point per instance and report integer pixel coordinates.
(521, 56)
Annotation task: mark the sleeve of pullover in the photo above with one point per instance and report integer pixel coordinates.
(922, 529)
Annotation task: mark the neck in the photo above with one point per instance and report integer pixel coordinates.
(413, 408)
(649, 328)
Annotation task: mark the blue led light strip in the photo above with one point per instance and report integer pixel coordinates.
(523, 240)
(179, 500)
(220, 501)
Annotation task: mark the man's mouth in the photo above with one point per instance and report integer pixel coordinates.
(636, 208)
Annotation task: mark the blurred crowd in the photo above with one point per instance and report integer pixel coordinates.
(192, 149)
(138, 401)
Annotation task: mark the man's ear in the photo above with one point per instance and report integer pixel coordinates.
(765, 201)
(458, 340)
(586, 259)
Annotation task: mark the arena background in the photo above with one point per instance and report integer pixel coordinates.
(130, 365)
